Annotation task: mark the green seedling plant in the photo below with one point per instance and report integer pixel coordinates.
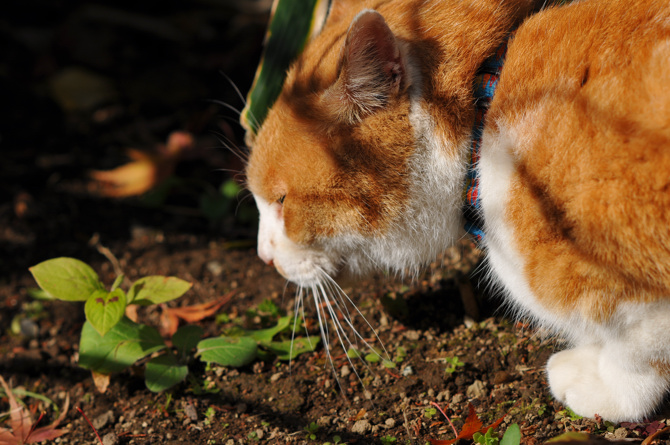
(511, 437)
(388, 440)
(311, 430)
(110, 342)
(372, 357)
(453, 363)
(240, 346)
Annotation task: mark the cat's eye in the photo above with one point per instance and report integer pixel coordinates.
(281, 200)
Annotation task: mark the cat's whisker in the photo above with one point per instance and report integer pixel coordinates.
(255, 122)
(226, 105)
(341, 335)
(241, 154)
(321, 315)
(346, 299)
(237, 90)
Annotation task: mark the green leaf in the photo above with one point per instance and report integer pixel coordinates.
(164, 372)
(66, 278)
(512, 436)
(157, 289)
(290, 349)
(122, 346)
(353, 353)
(291, 26)
(104, 309)
(266, 335)
(186, 339)
(388, 364)
(228, 351)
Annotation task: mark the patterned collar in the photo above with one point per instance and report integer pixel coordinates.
(484, 87)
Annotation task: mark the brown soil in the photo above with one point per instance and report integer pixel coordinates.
(161, 64)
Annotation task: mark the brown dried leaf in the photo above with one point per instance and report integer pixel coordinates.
(190, 314)
(145, 171)
(101, 381)
(23, 427)
(473, 424)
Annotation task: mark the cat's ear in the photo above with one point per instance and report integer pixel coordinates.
(371, 71)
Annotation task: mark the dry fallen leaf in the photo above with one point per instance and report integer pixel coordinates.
(23, 429)
(473, 424)
(101, 381)
(145, 171)
(190, 314)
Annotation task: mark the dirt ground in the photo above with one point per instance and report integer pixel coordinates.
(81, 83)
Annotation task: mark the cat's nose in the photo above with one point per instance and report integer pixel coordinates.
(267, 259)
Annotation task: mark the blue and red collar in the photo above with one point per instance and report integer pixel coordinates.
(484, 87)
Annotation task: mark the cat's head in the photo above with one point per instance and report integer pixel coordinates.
(337, 171)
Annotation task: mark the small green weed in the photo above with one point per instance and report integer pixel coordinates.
(311, 430)
(388, 440)
(429, 412)
(511, 437)
(453, 363)
(110, 342)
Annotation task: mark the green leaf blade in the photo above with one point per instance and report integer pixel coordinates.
(228, 351)
(290, 28)
(290, 349)
(122, 346)
(105, 309)
(266, 335)
(157, 289)
(512, 436)
(186, 339)
(164, 372)
(66, 278)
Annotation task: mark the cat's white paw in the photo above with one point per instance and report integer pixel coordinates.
(591, 380)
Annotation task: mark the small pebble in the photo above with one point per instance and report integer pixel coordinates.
(361, 427)
(477, 390)
(190, 412)
(103, 420)
(110, 439)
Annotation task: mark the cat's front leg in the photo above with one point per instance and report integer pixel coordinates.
(596, 380)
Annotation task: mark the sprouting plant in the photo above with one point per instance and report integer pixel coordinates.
(429, 412)
(474, 429)
(110, 342)
(511, 437)
(311, 430)
(388, 440)
(209, 415)
(337, 440)
(453, 363)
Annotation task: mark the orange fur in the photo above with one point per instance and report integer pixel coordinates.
(361, 162)
(343, 174)
(595, 230)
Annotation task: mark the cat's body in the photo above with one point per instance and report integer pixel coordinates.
(361, 164)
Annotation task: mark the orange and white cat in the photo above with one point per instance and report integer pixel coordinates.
(362, 162)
